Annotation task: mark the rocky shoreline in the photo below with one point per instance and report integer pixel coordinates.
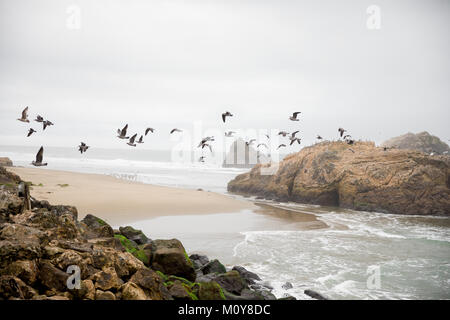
(47, 254)
(359, 176)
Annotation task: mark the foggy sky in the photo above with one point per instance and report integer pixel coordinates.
(167, 64)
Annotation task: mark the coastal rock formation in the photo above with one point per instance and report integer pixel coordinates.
(47, 254)
(5, 162)
(422, 141)
(359, 176)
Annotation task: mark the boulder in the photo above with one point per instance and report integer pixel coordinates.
(198, 260)
(13, 287)
(52, 277)
(315, 295)
(169, 257)
(214, 266)
(26, 270)
(152, 284)
(104, 295)
(134, 235)
(131, 291)
(5, 162)
(208, 291)
(87, 290)
(231, 281)
(287, 286)
(107, 279)
(248, 276)
(96, 227)
(181, 291)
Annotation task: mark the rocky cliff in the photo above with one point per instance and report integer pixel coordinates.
(47, 254)
(422, 141)
(359, 176)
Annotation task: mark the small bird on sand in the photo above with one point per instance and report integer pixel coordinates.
(319, 137)
(225, 115)
(131, 142)
(281, 145)
(39, 157)
(175, 130)
(122, 134)
(39, 119)
(248, 143)
(83, 147)
(149, 129)
(283, 133)
(229, 133)
(24, 117)
(341, 131)
(294, 116)
(30, 132)
(140, 139)
(46, 124)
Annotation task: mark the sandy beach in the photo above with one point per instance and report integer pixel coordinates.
(119, 201)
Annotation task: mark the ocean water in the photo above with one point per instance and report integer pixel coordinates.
(343, 254)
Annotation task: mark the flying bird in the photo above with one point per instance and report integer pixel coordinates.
(123, 133)
(268, 137)
(226, 114)
(175, 130)
(350, 141)
(30, 132)
(319, 137)
(248, 143)
(262, 144)
(281, 145)
(293, 139)
(201, 159)
(46, 124)
(204, 140)
(39, 157)
(229, 133)
(283, 133)
(347, 136)
(294, 116)
(131, 142)
(24, 117)
(149, 129)
(140, 139)
(341, 131)
(83, 147)
(39, 119)
(207, 145)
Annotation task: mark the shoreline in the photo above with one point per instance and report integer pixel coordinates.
(122, 201)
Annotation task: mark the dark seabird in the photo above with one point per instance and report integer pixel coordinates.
(83, 147)
(207, 145)
(39, 119)
(229, 133)
(24, 117)
(30, 132)
(268, 137)
(262, 144)
(39, 157)
(123, 133)
(293, 139)
(294, 116)
(347, 136)
(204, 140)
(46, 124)
(140, 139)
(248, 143)
(149, 129)
(226, 114)
(131, 142)
(319, 137)
(283, 133)
(281, 145)
(175, 130)
(341, 131)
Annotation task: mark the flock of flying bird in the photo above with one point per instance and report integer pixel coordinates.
(205, 142)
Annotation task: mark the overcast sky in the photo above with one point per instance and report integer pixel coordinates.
(168, 63)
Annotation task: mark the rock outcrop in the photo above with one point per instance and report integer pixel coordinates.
(422, 141)
(47, 254)
(359, 176)
(5, 162)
